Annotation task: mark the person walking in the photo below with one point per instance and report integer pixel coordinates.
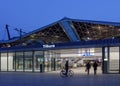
(66, 67)
(88, 66)
(95, 65)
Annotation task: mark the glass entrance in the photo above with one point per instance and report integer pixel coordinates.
(39, 61)
(114, 60)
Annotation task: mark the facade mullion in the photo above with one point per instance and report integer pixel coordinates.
(7, 61)
(108, 54)
(43, 61)
(15, 61)
(103, 57)
(119, 59)
(23, 61)
(33, 53)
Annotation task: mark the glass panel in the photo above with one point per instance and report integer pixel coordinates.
(53, 64)
(3, 61)
(114, 60)
(52, 61)
(105, 60)
(47, 61)
(19, 61)
(58, 62)
(38, 59)
(28, 61)
(11, 65)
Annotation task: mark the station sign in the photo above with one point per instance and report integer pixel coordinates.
(48, 46)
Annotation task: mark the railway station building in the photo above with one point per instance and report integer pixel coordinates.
(47, 48)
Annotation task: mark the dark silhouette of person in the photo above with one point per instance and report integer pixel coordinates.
(95, 65)
(66, 67)
(88, 66)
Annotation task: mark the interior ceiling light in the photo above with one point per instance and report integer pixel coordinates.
(111, 26)
(56, 36)
(88, 32)
(99, 27)
(33, 35)
(88, 38)
(42, 34)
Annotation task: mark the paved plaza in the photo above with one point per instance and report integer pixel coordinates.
(53, 79)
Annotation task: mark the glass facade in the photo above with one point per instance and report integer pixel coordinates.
(29, 61)
(44, 61)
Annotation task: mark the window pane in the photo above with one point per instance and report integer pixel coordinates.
(38, 59)
(114, 60)
(11, 63)
(3, 61)
(19, 61)
(28, 61)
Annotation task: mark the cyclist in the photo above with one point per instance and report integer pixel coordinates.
(66, 72)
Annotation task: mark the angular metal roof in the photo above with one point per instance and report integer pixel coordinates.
(67, 30)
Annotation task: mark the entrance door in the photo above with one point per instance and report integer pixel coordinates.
(39, 61)
(114, 60)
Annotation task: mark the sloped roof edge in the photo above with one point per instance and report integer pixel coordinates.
(97, 22)
(66, 19)
(77, 20)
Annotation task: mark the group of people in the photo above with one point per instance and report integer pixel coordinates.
(88, 66)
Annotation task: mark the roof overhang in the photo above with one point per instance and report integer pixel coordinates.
(68, 45)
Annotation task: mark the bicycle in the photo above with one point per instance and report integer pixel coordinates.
(69, 74)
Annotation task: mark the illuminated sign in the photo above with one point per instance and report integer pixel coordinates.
(48, 46)
(86, 52)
